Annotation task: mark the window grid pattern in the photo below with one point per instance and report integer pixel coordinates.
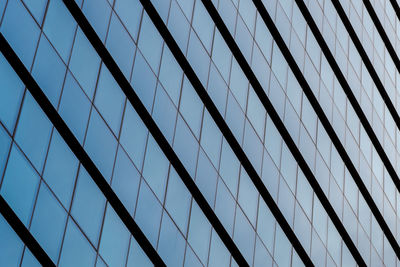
(102, 115)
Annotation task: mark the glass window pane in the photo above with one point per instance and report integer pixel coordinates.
(84, 63)
(206, 178)
(33, 132)
(191, 259)
(171, 245)
(203, 25)
(198, 58)
(171, 75)
(74, 107)
(125, 182)
(59, 27)
(110, 100)
(178, 25)
(229, 168)
(21, 31)
(252, 146)
(61, 169)
(248, 197)
(137, 257)
(5, 142)
(48, 71)
(97, 13)
(88, 206)
(143, 81)
(76, 249)
(199, 232)
(150, 42)
(164, 113)
(11, 93)
(191, 107)
(133, 136)
(37, 8)
(121, 46)
(155, 169)
(217, 89)
(219, 254)
(186, 146)
(19, 185)
(261, 256)
(130, 13)
(211, 138)
(114, 239)
(102, 155)
(221, 55)
(29, 260)
(225, 206)
(48, 222)
(148, 213)
(177, 201)
(10, 245)
(283, 248)
(244, 235)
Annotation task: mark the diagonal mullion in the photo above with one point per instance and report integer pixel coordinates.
(78, 150)
(382, 33)
(368, 64)
(396, 8)
(274, 115)
(24, 234)
(363, 119)
(151, 125)
(223, 127)
(328, 127)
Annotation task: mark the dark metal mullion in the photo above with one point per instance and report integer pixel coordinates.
(24, 234)
(223, 127)
(370, 68)
(382, 33)
(364, 121)
(78, 150)
(396, 7)
(149, 122)
(274, 115)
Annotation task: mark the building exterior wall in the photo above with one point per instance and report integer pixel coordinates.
(56, 199)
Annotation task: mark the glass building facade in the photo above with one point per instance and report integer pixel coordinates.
(199, 133)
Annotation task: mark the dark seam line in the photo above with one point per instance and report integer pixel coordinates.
(369, 66)
(220, 122)
(276, 119)
(382, 33)
(78, 150)
(325, 122)
(24, 234)
(151, 125)
(396, 8)
(357, 108)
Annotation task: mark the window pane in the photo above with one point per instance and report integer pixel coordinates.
(103, 155)
(110, 100)
(88, 206)
(49, 71)
(114, 239)
(76, 249)
(125, 181)
(61, 169)
(171, 246)
(48, 222)
(11, 93)
(21, 31)
(59, 27)
(10, 245)
(33, 132)
(19, 185)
